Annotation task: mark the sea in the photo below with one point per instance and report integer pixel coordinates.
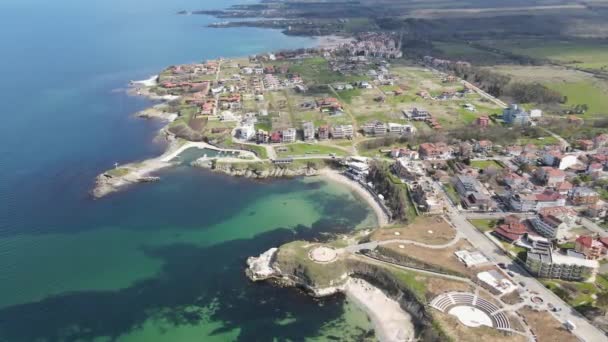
(156, 262)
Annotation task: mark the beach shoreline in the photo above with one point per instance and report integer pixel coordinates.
(391, 322)
(337, 177)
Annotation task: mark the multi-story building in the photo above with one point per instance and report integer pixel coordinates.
(399, 129)
(483, 146)
(261, 136)
(323, 132)
(245, 132)
(288, 135)
(407, 169)
(432, 151)
(471, 193)
(417, 114)
(375, 128)
(592, 248)
(483, 121)
(535, 201)
(514, 115)
(559, 160)
(342, 132)
(584, 196)
(426, 197)
(308, 129)
(550, 176)
(544, 263)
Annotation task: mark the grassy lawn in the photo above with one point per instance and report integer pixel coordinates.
(409, 280)
(118, 172)
(316, 70)
(581, 54)
(483, 224)
(299, 149)
(574, 293)
(548, 140)
(452, 193)
(593, 95)
(461, 50)
(348, 95)
(482, 164)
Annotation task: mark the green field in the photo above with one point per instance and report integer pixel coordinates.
(584, 54)
(482, 164)
(316, 71)
(484, 225)
(302, 149)
(590, 93)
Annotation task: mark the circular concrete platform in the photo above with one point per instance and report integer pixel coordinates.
(322, 254)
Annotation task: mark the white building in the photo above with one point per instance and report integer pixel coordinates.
(395, 128)
(289, 135)
(245, 132)
(309, 131)
(342, 131)
(536, 113)
(497, 281)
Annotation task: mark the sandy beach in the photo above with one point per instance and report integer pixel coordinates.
(390, 321)
(337, 177)
(332, 42)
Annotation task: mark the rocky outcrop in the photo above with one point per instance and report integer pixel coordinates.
(258, 170)
(106, 183)
(260, 268)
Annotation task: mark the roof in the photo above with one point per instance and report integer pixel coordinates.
(557, 211)
(552, 172)
(565, 185)
(569, 260)
(548, 195)
(588, 241)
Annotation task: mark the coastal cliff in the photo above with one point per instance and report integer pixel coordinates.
(257, 170)
(291, 266)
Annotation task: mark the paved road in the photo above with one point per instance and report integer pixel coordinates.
(584, 330)
(560, 139)
(484, 94)
(592, 226)
(374, 244)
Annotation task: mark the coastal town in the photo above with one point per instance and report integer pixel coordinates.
(504, 220)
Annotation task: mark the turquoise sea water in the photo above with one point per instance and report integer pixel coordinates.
(158, 262)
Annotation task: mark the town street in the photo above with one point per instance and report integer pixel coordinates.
(584, 330)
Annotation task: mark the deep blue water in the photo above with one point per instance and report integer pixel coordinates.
(63, 66)
(158, 262)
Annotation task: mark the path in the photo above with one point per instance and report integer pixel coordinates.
(374, 244)
(484, 94)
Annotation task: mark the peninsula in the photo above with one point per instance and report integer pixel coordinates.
(485, 217)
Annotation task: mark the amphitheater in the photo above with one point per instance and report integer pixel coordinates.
(471, 310)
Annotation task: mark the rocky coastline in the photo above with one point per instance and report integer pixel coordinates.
(265, 267)
(259, 170)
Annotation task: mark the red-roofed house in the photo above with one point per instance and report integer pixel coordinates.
(511, 230)
(600, 140)
(550, 176)
(592, 248)
(563, 188)
(584, 144)
(432, 151)
(483, 146)
(483, 121)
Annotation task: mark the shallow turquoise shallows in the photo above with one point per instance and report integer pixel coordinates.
(157, 262)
